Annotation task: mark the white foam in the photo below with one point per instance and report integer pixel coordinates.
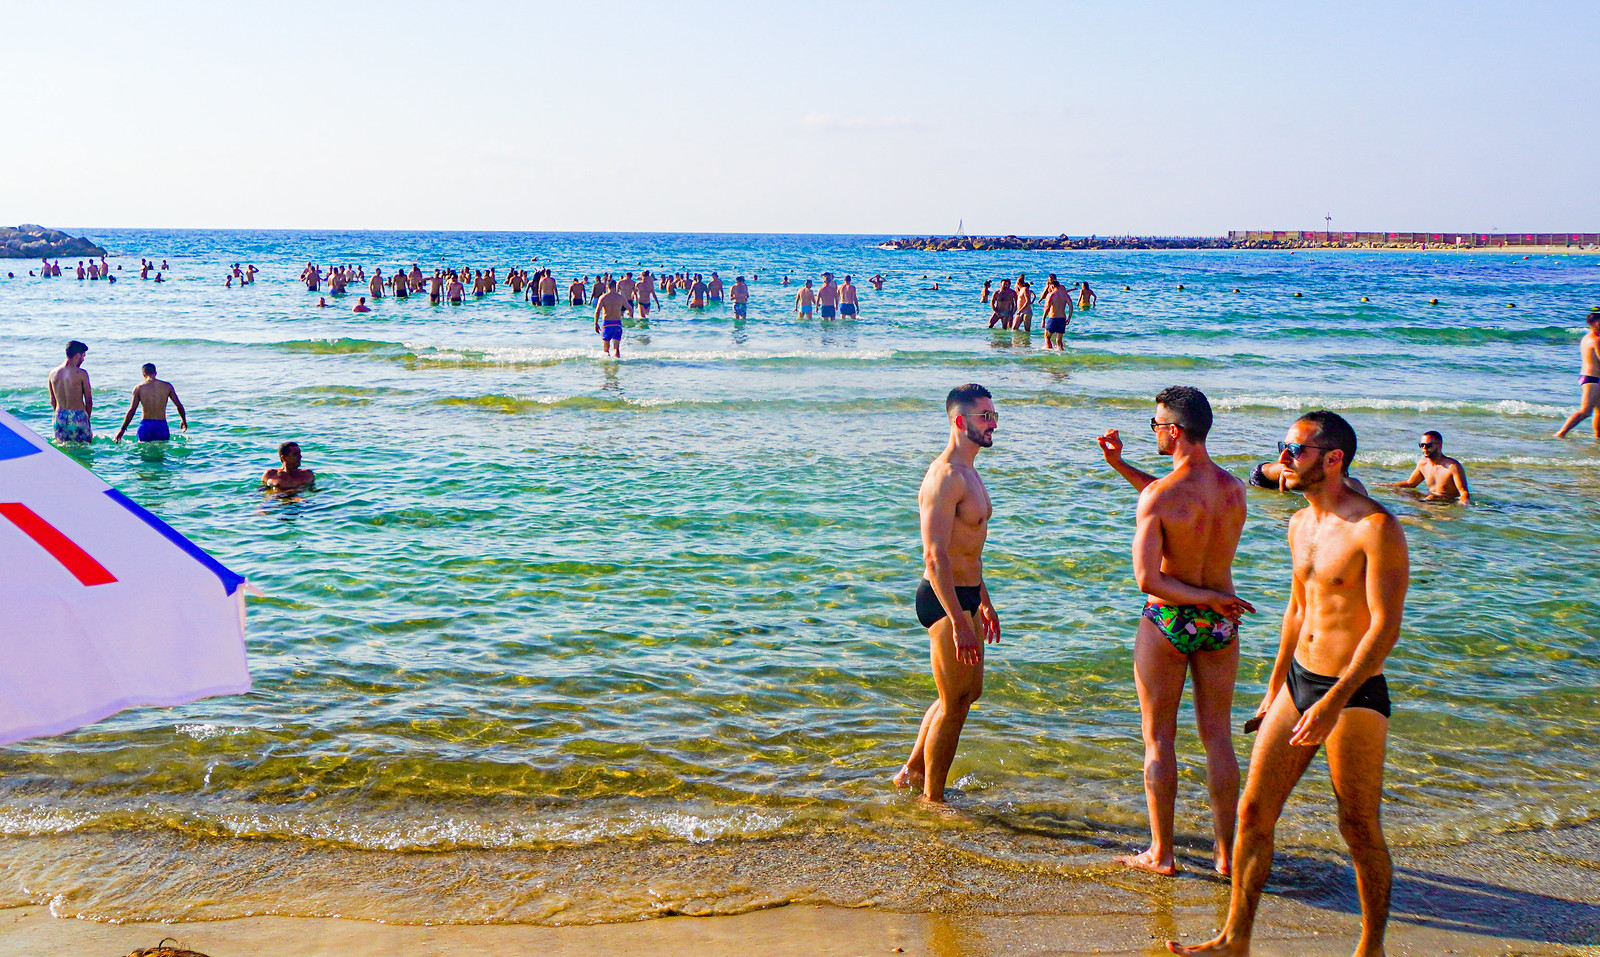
(1294, 403)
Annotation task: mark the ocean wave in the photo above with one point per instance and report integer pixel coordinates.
(340, 346)
(1295, 403)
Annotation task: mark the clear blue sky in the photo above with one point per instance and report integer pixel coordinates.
(1024, 117)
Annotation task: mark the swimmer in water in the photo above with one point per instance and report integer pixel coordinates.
(1270, 476)
(1588, 378)
(1446, 477)
(361, 305)
(290, 476)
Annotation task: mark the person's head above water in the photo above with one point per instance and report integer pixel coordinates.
(970, 409)
(1431, 443)
(149, 370)
(1180, 410)
(289, 454)
(75, 349)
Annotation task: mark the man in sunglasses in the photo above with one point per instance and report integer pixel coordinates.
(1446, 477)
(1188, 529)
(952, 601)
(1350, 575)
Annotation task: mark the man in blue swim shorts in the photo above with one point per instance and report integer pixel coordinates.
(608, 318)
(71, 396)
(740, 294)
(847, 299)
(1188, 527)
(152, 395)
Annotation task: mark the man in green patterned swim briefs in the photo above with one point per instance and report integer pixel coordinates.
(1183, 545)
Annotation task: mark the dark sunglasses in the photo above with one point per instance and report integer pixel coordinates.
(1295, 448)
(1425, 445)
(1157, 426)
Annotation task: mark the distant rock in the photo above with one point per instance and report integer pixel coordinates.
(35, 242)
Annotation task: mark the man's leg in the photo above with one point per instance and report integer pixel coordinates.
(1158, 673)
(1355, 762)
(1214, 675)
(915, 770)
(959, 686)
(1275, 767)
(1591, 403)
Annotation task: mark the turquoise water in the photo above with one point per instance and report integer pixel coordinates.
(564, 639)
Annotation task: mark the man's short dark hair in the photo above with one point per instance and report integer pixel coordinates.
(1191, 407)
(962, 397)
(76, 348)
(1334, 432)
(287, 446)
(1436, 436)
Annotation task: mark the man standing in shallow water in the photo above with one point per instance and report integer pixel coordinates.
(1350, 575)
(1188, 530)
(952, 599)
(71, 396)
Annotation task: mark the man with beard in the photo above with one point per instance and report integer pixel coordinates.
(952, 600)
(1350, 575)
(1188, 529)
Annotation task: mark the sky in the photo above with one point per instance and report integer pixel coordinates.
(1026, 118)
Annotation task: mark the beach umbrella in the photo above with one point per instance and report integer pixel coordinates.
(103, 606)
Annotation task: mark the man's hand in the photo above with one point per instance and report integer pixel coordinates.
(969, 647)
(118, 437)
(1230, 606)
(1111, 445)
(1316, 724)
(990, 622)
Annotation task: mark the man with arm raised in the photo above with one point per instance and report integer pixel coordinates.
(952, 600)
(1350, 575)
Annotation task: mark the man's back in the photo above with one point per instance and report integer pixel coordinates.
(1201, 509)
(69, 385)
(153, 396)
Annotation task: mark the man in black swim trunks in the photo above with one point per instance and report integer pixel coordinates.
(1351, 572)
(952, 600)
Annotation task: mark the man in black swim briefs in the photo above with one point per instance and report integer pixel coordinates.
(952, 600)
(1350, 575)
(1188, 527)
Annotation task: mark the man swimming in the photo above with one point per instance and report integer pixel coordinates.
(1446, 477)
(952, 599)
(1588, 378)
(1187, 531)
(71, 396)
(1270, 476)
(291, 476)
(152, 396)
(608, 318)
(1347, 594)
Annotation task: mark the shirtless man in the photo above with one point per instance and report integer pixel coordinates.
(1024, 319)
(849, 306)
(804, 300)
(291, 476)
(1183, 546)
(740, 294)
(1351, 572)
(1589, 378)
(1057, 313)
(1271, 475)
(608, 318)
(988, 290)
(547, 289)
(645, 291)
(361, 305)
(455, 291)
(627, 288)
(1446, 478)
(151, 395)
(71, 397)
(375, 284)
(435, 287)
(697, 293)
(1086, 297)
(1004, 303)
(828, 296)
(952, 599)
(714, 288)
(575, 292)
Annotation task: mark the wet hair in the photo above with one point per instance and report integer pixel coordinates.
(1192, 408)
(1335, 432)
(149, 368)
(76, 348)
(287, 446)
(963, 396)
(1594, 316)
(1436, 436)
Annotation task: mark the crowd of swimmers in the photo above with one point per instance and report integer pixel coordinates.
(1012, 307)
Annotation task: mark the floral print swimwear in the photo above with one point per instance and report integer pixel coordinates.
(1192, 629)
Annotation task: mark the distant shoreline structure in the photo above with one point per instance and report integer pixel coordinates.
(1251, 239)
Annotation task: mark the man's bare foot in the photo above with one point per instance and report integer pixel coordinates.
(1217, 948)
(1223, 865)
(1148, 861)
(908, 778)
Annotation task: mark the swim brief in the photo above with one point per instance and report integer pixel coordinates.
(1258, 477)
(740, 309)
(1191, 628)
(714, 299)
(154, 430)
(827, 312)
(1308, 687)
(611, 332)
(805, 310)
(72, 425)
(433, 297)
(1056, 325)
(1005, 313)
(549, 299)
(1588, 380)
(930, 611)
(847, 308)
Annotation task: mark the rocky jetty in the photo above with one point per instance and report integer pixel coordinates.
(978, 243)
(35, 242)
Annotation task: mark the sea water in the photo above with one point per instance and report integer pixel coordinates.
(564, 639)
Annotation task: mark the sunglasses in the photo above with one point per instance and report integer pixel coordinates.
(1295, 448)
(1158, 426)
(990, 417)
(1425, 445)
